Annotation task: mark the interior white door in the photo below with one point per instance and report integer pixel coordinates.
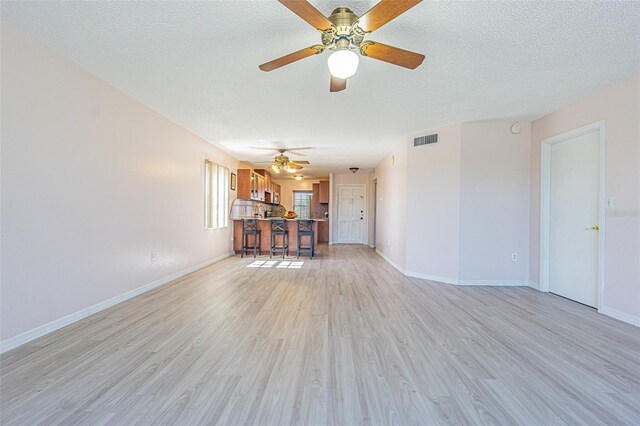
(573, 218)
(351, 203)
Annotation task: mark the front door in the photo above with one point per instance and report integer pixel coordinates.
(351, 204)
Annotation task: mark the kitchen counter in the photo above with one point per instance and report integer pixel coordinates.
(274, 218)
(265, 228)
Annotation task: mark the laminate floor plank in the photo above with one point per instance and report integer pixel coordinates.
(343, 340)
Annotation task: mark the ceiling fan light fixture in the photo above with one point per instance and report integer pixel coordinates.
(275, 168)
(289, 169)
(343, 63)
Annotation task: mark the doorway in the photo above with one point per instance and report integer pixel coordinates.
(374, 195)
(351, 214)
(572, 228)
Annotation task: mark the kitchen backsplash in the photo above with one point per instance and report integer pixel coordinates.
(249, 208)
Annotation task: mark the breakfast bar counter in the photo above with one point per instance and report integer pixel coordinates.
(265, 228)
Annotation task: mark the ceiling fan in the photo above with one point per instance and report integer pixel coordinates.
(282, 163)
(344, 33)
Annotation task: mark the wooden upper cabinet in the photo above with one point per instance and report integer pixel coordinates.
(323, 193)
(244, 184)
(250, 185)
(315, 201)
(275, 197)
(257, 185)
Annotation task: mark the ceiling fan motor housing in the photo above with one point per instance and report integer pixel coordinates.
(344, 34)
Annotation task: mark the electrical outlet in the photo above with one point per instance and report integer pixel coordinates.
(154, 255)
(514, 257)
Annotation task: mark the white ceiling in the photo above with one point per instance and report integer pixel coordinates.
(197, 63)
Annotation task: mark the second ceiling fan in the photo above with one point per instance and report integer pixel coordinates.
(344, 33)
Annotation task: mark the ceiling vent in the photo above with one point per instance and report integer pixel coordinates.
(425, 140)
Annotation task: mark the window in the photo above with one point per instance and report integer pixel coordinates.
(216, 195)
(302, 204)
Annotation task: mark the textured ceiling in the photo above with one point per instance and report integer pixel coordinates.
(197, 63)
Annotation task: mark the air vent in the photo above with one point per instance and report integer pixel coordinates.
(425, 140)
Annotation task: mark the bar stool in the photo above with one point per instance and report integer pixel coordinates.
(250, 227)
(279, 228)
(305, 229)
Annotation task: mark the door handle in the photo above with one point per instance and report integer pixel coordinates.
(593, 228)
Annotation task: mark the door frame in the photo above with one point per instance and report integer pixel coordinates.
(374, 195)
(365, 213)
(545, 195)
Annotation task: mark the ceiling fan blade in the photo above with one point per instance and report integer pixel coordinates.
(337, 84)
(306, 11)
(384, 12)
(291, 57)
(264, 149)
(391, 54)
(300, 162)
(294, 165)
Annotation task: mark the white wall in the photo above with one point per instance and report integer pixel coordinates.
(619, 106)
(460, 207)
(433, 205)
(391, 175)
(92, 182)
(494, 202)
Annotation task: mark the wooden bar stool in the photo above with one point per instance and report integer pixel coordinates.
(279, 228)
(249, 228)
(305, 229)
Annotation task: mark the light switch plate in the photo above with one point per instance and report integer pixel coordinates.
(610, 202)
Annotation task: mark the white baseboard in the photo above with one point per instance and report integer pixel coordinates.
(391, 262)
(27, 336)
(453, 281)
(622, 316)
(534, 285)
(496, 283)
(456, 281)
(446, 280)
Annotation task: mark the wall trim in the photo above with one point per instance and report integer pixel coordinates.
(534, 285)
(496, 283)
(445, 280)
(390, 262)
(29, 335)
(455, 281)
(622, 316)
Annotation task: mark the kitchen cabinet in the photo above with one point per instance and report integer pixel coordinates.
(250, 185)
(275, 195)
(323, 192)
(257, 185)
(315, 200)
(244, 184)
(261, 191)
(323, 231)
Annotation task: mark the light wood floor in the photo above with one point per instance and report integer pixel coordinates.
(345, 340)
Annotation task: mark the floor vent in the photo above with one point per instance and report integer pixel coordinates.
(425, 140)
